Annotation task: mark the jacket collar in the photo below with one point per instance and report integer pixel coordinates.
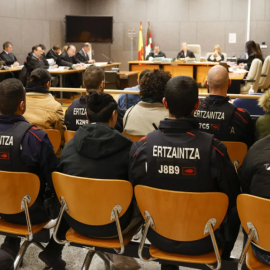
(181, 125)
(11, 119)
(214, 99)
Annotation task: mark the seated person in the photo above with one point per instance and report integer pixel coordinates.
(156, 53)
(54, 53)
(82, 55)
(75, 117)
(215, 172)
(253, 53)
(216, 56)
(263, 123)
(139, 119)
(254, 180)
(31, 152)
(8, 56)
(127, 101)
(185, 52)
(218, 116)
(42, 109)
(99, 151)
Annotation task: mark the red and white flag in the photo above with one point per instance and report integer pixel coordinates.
(148, 43)
(140, 45)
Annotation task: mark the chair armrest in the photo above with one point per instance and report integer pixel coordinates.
(263, 75)
(249, 80)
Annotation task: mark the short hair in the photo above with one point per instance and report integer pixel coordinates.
(6, 44)
(12, 93)
(153, 84)
(56, 47)
(143, 73)
(39, 76)
(156, 46)
(181, 94)
(100, 106)
(86, 44)
(42, 47)
(34, 48)
(93, 76)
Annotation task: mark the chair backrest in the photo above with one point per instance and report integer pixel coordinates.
(91, 201)
(224, 54)
(134, 138)
(112, 80)
(69, 134)
(55, 138)
(264, 81)
(196, 49)
(255, 210)
(14, 187)
(181, 216)
(237, 151)
(254, 74)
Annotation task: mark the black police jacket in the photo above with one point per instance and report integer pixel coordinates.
(179, 157)
(228, 123)
(75, 116)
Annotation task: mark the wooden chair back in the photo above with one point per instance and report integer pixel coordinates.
(181, 216)
(257, 211)
(69, 134)
(134, 138)
(55, 138)
(91, 201)
(14, 186)
(237, 151)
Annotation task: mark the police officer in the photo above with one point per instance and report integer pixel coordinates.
(254, 176)
(27, 149)
(93, 79)
(221, 118)
(179, 157)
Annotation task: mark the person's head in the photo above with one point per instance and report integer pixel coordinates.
(156, 49)
(71, 50)
(37, 50)
(218, 81)
(65, 47)
(217, 49)
(56, 49)
(7, 46)
(184, 46)
(12, 97)
(87, 47)
(101, 107)
(264, 101)
(152, 84)
(251, 47)
(181, 96)
(94, 79)
(40, 77)
(142, 74)
(43, 48)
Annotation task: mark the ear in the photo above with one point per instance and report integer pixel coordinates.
(164, 101)
(22, 106)
(102, 86)
(229, 83)
(206, 83)
(114, 117)
(48, 84)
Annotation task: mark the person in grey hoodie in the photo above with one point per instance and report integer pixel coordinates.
(99, 151)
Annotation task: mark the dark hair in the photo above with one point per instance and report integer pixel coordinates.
(6, 44)
(252, 48)
(12, 94)
(181, 95)
(93, 76)
(153, 84)
(100, 106)
(39, 76)
(42, 47)
(56, 47)
(34, 48)
(259, 51)
(143, 73)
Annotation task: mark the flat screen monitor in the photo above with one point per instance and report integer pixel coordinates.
(93, 29)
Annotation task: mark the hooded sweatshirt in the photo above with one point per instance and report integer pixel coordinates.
(101, 152)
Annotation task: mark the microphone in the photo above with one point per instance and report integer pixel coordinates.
(110, 59)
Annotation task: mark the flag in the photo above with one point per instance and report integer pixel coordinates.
(140, 46)
(148, 43)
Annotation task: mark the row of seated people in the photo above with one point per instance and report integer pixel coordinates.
(99, 151)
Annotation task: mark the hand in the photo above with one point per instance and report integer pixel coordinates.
(77, 65)
(91, 61)
(16, 64)
(54, 66)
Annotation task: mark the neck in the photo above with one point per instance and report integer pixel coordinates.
(222, 93)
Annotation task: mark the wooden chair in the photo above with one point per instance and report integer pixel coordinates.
(254, 213)
(237, 152)
(55, 138)
(181, 216)
(134, 138)
(69, 134)
(93, 202)
(19, 191)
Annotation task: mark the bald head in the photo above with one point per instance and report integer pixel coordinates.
(218, 80)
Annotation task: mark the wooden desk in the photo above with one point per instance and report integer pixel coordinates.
(11, 70)
(128, 78)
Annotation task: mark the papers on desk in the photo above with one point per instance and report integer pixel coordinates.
(100, 64)
(237, 70)
(51, 62)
